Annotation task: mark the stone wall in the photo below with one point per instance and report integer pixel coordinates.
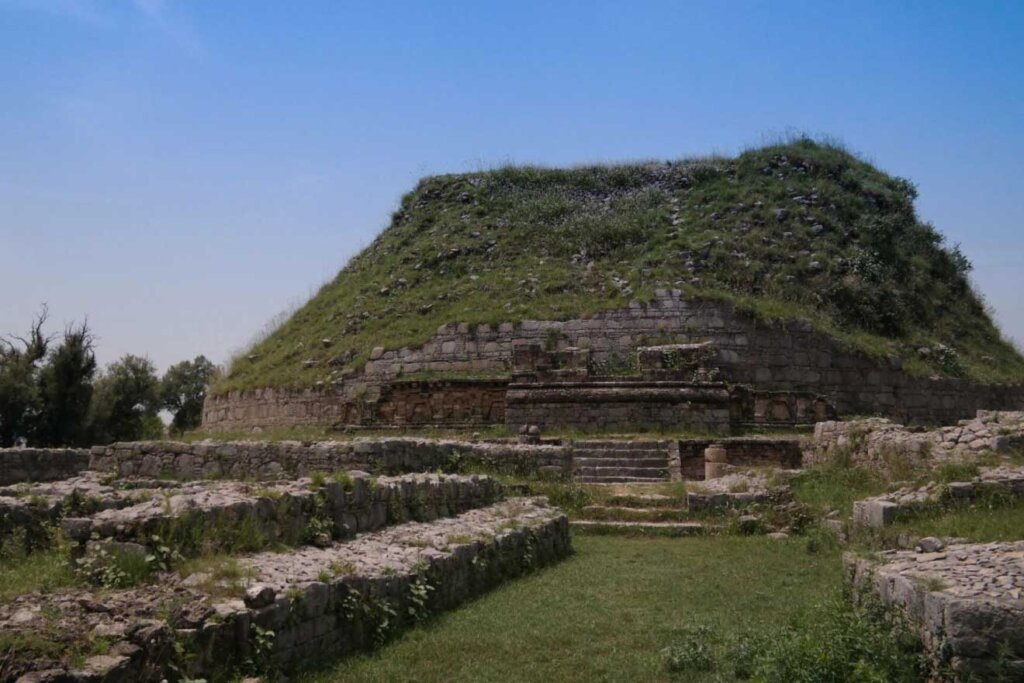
(277, 459)
(593, 406)
(787, 357)
(441, 403)
(40, 464)
(993, 484)
(877, 442)
(964, 601)
(292, 512)
(298, 608)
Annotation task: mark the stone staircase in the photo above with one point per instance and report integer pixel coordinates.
(621, 462)
(642, 515)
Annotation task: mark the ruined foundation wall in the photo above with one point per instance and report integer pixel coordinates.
(787, 357)
(592, 408)
(741, 452)
(41, 464)
(278, 459)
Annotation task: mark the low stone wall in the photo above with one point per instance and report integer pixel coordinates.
(964, 600)
(27, 510)
(788, 357)
(291, 512)
(40, 464)
(996, 482)
(594, 406)
(874, 441)
(277, 459)
(299, 608)
(784, 452)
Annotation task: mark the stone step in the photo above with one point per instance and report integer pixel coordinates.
(619, 445)
(623, 471)
(620, 462)
(646, 500)
(642, 528)
(613, 479)
(623, 453)
(599, 513)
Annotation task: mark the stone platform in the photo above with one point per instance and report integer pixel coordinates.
(880, 511)
(966, 600)
(277, 611)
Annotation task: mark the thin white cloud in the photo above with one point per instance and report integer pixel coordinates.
(158, 15)
(85, 11)
(154, 8)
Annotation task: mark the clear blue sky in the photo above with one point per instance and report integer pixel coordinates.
(182, 171)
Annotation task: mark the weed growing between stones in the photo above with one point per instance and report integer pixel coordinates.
(345, 479)
(115, 565)
(572, 497)
(320, 527)
(956, 471)
(419, 596)
(375, 612)
(262, 646)
(223, 575)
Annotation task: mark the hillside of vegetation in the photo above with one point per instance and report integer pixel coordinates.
(802, 230)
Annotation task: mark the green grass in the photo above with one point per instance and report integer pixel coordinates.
(520, 243)
(40, 571)
(606, 613)
(981, 522)
(836, 488)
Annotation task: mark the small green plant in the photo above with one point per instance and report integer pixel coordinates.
(344, 478)
(340, 568)
(848, 638)
(317, 480)
(262, 640)
(933, 583)
(114, 566)
(419, 594)
(694, 653)
(956, 471)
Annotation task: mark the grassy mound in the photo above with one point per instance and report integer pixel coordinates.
(798, 230)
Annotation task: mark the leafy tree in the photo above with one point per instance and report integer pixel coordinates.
(65, 390)
(126, 401)
(183, 390)
(19, 393)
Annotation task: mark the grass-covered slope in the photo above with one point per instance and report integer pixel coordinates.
(798, 230)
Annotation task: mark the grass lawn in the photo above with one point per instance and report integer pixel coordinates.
(606, 613)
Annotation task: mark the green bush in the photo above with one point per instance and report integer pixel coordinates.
(840, 641)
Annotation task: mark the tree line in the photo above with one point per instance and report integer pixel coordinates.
(52, 393)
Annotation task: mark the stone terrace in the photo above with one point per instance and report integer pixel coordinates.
(873, 440)
(284, 511)
(885, 509)
(289, 609)
(355, 557)
(965, 600)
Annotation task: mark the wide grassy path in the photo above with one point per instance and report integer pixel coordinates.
(605, 613)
